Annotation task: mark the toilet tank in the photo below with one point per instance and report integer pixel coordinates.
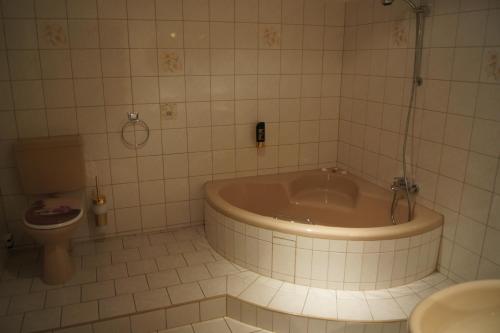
(49, 165)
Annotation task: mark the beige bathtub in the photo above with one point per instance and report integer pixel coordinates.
(320, 204)
(320, 228)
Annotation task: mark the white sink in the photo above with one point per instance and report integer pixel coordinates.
(471, 307)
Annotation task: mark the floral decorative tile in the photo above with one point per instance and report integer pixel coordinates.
(399, 34)
(492, 64)
(170, 62)
(54, 34)
(271, 37)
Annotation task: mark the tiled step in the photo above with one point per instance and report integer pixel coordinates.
(220, 325)
(176, 278)
(217, 325)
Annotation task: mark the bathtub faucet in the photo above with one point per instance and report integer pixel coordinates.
(403, 184)
(408, 188)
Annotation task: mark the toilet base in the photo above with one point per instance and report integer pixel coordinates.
(57, 264)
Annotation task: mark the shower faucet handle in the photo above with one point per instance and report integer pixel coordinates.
(400, 183)
(413, 188)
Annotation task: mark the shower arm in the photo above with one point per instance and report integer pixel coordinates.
(411, 4)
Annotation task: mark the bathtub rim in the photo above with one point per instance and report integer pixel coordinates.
(425, 219)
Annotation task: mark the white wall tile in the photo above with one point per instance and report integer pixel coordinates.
(81, 9)
(21, 34)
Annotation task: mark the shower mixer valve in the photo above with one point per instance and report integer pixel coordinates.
(399, 184)
(407, 187)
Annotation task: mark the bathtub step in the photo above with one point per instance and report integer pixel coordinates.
(383, 305)
(220, 325)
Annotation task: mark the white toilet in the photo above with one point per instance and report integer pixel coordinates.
(52, 174)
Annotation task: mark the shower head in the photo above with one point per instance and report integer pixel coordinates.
(410, 3)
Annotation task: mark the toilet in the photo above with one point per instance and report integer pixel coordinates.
(52, 173)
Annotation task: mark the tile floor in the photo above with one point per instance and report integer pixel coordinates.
(177, 271)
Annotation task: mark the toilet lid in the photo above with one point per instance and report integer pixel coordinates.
(53, 211)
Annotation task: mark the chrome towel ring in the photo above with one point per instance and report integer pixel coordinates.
(133, 120)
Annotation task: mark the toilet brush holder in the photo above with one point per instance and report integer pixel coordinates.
(100, 209)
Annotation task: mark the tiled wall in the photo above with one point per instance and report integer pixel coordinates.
(455, 144)
(78, 66)
(3, 231)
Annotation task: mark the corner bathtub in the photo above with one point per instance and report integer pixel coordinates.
(320, 228)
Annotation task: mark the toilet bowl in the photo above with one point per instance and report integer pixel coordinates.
(52, 174)
(51, 221)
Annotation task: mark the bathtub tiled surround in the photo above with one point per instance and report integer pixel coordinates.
(323, 263)
(154, 281)
(454, 147)
(78, 66)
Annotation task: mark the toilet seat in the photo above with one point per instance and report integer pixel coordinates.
(54, 211)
